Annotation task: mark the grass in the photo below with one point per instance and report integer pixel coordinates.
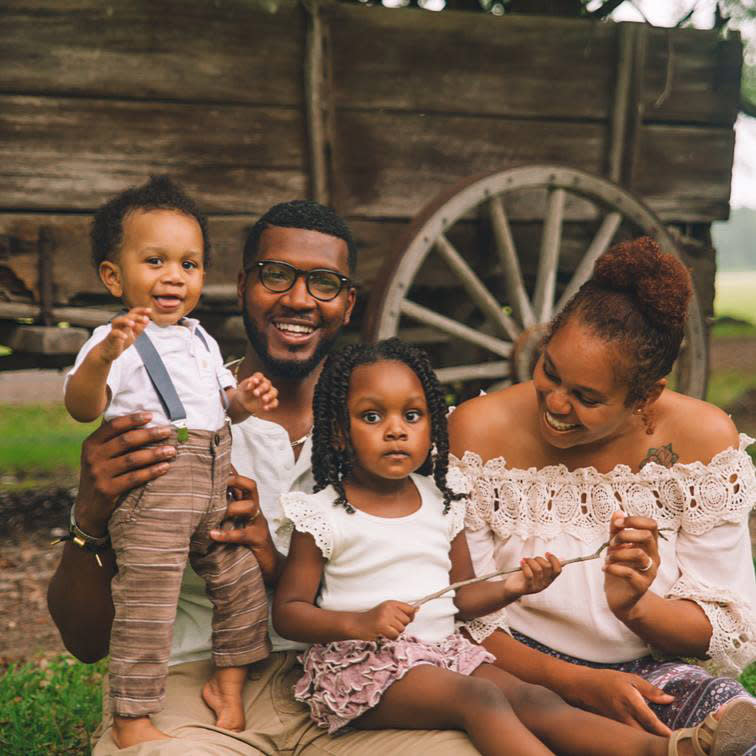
(39, 442)
(735, 295)
(49, 707)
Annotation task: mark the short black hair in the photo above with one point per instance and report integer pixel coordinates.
(159, 193)
(332, 461)
(304, 214)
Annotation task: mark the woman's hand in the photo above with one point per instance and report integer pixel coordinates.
(387, 620)
(631, 563)
(113, 462)
(535, 574)
(249, 527)
(620, 696)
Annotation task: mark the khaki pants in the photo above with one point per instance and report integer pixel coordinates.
(276, 723)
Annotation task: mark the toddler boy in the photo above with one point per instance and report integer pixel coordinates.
(151, 247)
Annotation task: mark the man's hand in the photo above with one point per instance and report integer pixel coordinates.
(113, 462)
(620, 696)
(387, 620)
(249, 526)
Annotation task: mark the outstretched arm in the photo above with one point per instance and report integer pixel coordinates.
(112, 463)
(86, 394)
(296, 616)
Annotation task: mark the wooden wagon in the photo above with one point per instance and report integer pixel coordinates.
(575, 133)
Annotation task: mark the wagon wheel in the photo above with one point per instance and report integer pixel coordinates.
(512, 293)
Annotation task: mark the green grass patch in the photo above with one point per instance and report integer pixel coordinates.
(735, 295)
(49, 707)
(40, 441)
(725, 386)
(732, 331)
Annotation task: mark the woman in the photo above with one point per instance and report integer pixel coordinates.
(597, 447)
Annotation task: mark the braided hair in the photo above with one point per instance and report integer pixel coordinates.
(332, 450)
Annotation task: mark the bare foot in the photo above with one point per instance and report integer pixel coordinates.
(223, 694)
(129, 731)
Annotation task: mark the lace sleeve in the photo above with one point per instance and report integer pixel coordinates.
(304, 514)
(481, 627)
(716, 571)
(456, 518)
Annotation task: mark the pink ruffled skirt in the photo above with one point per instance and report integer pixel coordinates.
(343, 679)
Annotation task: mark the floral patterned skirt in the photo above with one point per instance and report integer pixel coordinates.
(343, 679)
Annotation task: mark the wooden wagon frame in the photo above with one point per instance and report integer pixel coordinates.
(575, 133)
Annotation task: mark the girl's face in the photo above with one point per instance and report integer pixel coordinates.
(389, 423)
(580, 400)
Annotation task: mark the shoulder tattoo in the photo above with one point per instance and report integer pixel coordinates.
(664, 456)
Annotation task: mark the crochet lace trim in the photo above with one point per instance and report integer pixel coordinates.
(553, 500)
(303, 514)
(481, 627)
(457, 516)
(733, 638)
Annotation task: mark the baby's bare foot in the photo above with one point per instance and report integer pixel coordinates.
(223, 694)
(129, 731)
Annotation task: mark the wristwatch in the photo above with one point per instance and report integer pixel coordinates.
(83, 540)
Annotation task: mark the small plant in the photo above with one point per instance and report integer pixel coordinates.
(49, 707)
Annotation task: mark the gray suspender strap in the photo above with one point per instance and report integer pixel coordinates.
(160, 379)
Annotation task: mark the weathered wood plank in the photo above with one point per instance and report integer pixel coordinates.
(75, 153)
(703, 84)
(523, 66)
(391, 165)
(229, 51)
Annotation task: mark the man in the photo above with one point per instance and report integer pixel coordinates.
(296, 295)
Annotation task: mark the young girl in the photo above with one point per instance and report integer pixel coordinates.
(374, 538)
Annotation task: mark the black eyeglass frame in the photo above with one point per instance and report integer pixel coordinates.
(343, 280)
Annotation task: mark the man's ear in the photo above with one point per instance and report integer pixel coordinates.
(241, 288)
(351, 299)
(110, 275)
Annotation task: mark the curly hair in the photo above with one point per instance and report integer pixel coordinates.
(303, 214)
(333, 455)
(638, 298)
(159, 193)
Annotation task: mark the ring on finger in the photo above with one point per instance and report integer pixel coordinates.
(648, 566)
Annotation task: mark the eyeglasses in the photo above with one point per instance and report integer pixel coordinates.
(279, 277)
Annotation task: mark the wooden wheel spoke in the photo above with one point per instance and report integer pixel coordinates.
(453, 328)
(543, 300)
(518, 297)
(598, 246)
(483, 371)
(477, 290)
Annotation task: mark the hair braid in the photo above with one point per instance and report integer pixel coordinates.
(332, 450)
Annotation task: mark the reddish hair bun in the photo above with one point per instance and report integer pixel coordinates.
(658, 282)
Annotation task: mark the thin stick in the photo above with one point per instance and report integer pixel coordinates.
(454, 586)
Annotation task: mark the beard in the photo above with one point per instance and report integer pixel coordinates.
(291, 369)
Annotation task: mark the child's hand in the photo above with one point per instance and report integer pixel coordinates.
(387, 620)
(535, 574)
(257, 393)
(124, 331)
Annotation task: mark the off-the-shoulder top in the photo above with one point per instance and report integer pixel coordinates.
(512, 513)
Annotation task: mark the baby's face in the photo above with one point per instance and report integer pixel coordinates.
(160, 264)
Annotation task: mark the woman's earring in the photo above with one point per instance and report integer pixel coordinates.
(646, 419)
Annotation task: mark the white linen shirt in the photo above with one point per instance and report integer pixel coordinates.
(372, 559)
(261, 450)
(197, 373)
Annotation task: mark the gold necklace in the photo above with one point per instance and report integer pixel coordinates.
(234, 368)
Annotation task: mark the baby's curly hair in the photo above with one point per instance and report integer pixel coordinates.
(638, 298)
(159, 193)
(331, 464)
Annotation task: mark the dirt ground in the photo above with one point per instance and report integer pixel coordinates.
(29, 521)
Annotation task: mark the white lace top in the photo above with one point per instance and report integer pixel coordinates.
(513, 513)
(372, 559)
